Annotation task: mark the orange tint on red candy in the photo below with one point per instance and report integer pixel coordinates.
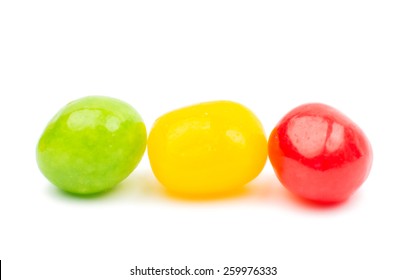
(319, 154)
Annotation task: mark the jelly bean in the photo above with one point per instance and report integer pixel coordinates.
(319, 154)
(207, 149)
(91, 145)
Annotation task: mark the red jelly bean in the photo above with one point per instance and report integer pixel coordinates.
(319, 154)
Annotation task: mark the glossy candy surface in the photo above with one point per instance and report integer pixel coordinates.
(91, 145)
(207, 149)
(319, 154)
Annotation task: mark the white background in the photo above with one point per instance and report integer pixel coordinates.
(160, 55)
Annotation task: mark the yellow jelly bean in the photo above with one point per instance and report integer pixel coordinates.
(207, 149)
